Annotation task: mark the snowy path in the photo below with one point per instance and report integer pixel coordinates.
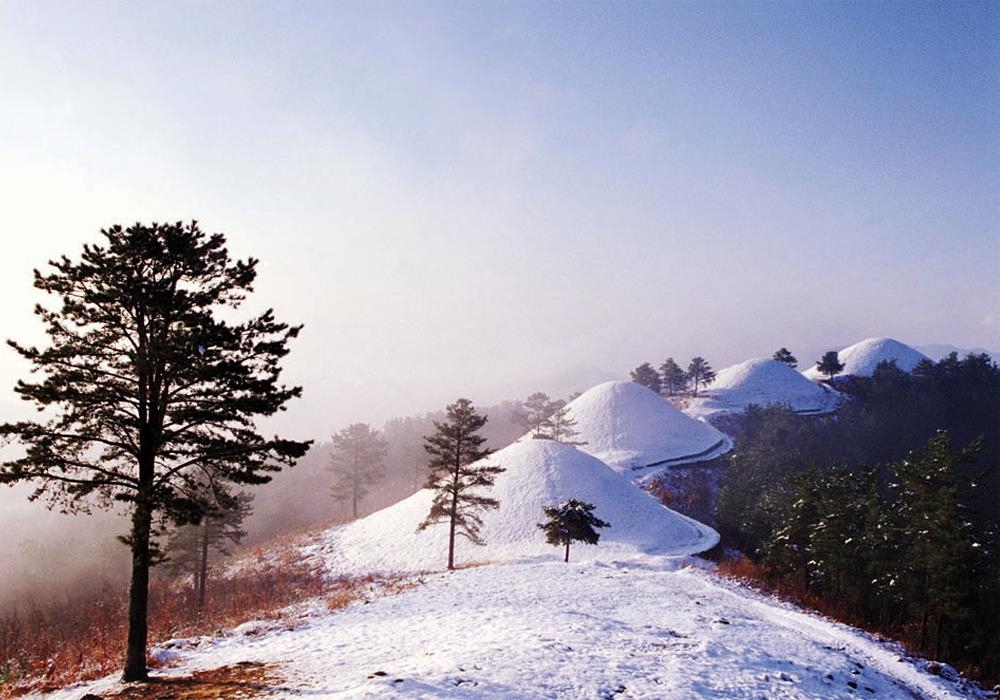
(543, 629)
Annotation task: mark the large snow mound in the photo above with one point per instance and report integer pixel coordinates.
(764, 382)
(862, 358)
(538, 473)
(629, 427)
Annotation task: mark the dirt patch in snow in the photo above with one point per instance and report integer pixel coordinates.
(246, 679)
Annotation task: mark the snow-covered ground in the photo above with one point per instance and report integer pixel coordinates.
(629, 427)
(762, 381)
(642, 628)
(862, 358)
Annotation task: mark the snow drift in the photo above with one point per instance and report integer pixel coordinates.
(538, 473)
(763, 382)
(628, 426)
(862, 358)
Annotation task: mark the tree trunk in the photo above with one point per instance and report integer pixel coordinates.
(566, 558)
(454, 517)
(451, 533)
(135, 654)
(203, 565)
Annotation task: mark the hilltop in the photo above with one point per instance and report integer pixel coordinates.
(763, 382)
(863, 357)
(629, 427)
(537, 473)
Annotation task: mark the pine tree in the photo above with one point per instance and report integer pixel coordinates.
(457, 474)
(674, 379)
(571, 521)
(647, 376)
(149, 391)
(785, 356)
(560, 426)
(190, 547)
(700, 373)
(830, 364)
(357, 462)
(535, 411)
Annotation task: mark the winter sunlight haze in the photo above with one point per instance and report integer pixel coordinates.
(488, 199)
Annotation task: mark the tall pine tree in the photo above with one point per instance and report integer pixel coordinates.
(561, 426)
(700, 373)
(457, 475)
(535, 411)
(149, 391)
(357, 462)
(674, 379)
(191, 548)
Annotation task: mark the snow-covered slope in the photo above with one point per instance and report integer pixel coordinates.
(862, 358)
(762, 381)
(628, 426)
(538, 473)
(551, 630)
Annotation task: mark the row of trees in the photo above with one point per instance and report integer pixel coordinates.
(671, 379)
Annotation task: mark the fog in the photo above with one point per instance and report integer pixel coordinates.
(489, 200)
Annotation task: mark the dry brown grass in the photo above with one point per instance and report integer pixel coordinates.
(85, 639)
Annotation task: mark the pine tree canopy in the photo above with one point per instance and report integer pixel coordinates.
(571, 521)
(673, 377)
(647, 376)
(785, 355)
(357, 462)
(536, 410)
(700, 373)
(830, 364)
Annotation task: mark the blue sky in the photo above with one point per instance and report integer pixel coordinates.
(479, 198)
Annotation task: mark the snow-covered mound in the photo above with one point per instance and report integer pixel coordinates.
(764, 382)
(538, 473)
(628, 426)
(862, 358)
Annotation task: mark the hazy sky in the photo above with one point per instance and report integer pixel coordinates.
(486, 199)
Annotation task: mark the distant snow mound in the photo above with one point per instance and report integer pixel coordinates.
(764, 382)
(629, 427)
(862, 358)
(538, 473)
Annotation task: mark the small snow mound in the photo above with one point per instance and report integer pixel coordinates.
(629, 427)
(862, 358)
(764, 382)
(537, 473)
